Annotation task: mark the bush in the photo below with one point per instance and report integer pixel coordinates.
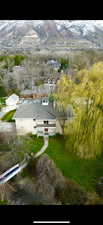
(72, 194)
(18, 59)
(64, 64)
(3, 202)
(93, 199)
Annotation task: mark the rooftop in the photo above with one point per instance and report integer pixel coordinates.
(37, 111)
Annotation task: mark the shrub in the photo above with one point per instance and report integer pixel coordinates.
(72, 194)
(93, 199)
(3, 202)
(64, 64)
(18, 59)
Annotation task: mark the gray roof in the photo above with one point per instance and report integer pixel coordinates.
(26, 92)
(37, 111)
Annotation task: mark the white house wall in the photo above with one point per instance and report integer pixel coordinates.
(51, 131)
(41, 131)
(49, 121)
(25, 126)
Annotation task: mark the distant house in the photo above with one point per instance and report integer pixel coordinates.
(38, 118)
(42, 90)
(12, 100)
(54, 63)
(27, 93)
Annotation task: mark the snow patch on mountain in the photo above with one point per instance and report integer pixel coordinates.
(79, 26)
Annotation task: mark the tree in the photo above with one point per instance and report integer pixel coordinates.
(84, 133)
(64, 64)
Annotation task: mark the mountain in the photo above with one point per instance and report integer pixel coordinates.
(50, 34)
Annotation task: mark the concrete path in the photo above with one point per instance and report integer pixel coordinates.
(46, 140)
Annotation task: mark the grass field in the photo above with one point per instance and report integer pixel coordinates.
(83, 171)
(8, 116)
(34, 143)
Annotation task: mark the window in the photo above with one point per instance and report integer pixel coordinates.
(46, 129)
(46, 122)
(40, 132)
(34, 119)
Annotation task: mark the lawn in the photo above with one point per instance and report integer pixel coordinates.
(83, 171)
(34, 143)
(2, 102)
(8, 116)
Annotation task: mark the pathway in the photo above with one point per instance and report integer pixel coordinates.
(46, 140)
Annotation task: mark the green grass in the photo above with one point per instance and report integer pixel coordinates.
(4, 202)
(2, 103)
(2, 91)
(29, 144)
(8, 116)
(34, 143)
(83, 171)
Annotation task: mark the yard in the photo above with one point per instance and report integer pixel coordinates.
(8, 116)
(83, 171)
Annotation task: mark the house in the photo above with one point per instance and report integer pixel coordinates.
(42, 90)
(38, 118)
(12, 100)
(27, 93)
(54, 63)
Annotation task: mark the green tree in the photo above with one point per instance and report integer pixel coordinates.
(64, 64)
(84, 133)
(18, 59)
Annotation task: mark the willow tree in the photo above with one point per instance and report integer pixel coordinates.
(85, 132)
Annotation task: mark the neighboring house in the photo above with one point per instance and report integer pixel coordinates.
(38, 118)
(27, 93)
(12, 100)
(39, 91)
(54, 63)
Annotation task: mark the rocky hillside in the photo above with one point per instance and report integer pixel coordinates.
(50, 34)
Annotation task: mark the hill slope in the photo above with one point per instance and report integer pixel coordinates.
(50, 34)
